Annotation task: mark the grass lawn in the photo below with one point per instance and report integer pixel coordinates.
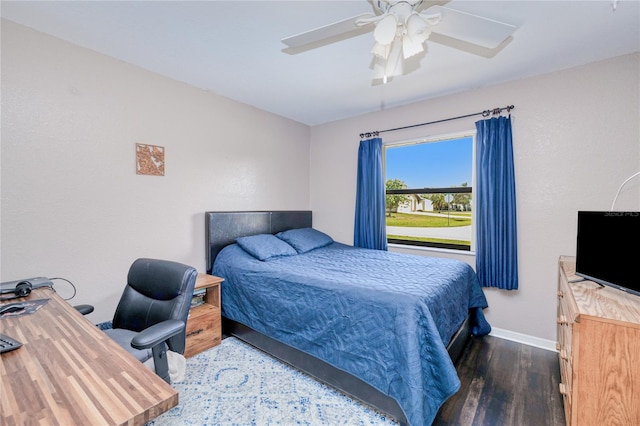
(429, 240)
(424, 221)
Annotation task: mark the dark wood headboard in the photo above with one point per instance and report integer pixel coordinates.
(222, 228)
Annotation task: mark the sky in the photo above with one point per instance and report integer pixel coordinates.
(431, 165)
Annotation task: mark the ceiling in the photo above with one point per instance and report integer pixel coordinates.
(233, 48)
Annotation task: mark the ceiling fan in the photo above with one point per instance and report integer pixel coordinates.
(400, 30)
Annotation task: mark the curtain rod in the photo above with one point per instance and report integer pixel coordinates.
(485, 113)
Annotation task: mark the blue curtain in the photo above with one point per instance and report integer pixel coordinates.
(496, 239)
(370, 229)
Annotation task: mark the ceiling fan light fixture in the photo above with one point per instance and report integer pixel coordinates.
(385, 69)
(386, 29)
(378, 70)
(381, 50)
(411, 47)
(417, 26)
(417, 31)
(394, 65)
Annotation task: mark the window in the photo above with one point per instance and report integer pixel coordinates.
(429, 192)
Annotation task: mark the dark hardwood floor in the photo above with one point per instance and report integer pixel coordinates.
(505, 383)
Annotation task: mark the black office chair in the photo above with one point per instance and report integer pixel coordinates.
(152, 313)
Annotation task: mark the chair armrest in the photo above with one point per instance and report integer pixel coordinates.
(84, 309)
(157, 333)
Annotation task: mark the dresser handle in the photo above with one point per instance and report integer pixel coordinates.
(562, 320)
(563, 354)
(560, 294)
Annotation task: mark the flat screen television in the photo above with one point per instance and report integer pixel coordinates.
(608, 249)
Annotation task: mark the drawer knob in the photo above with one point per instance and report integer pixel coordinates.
(562, 320)
(563, 389)
(563, 354)
(560, 293)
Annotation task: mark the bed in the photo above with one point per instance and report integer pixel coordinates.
(382, 327)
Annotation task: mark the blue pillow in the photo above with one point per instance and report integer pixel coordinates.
(305, 239)
(265, 246)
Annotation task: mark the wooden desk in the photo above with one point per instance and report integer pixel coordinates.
(70, 372)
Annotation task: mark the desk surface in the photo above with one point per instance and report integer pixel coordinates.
(70, 372)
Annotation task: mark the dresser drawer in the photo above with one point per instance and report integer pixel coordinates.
(566, 370)
(566, 396)
(565, 324)
(565, 335)
(565, 301)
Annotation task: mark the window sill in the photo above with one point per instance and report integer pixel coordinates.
(433, 249)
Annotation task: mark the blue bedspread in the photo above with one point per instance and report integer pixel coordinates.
(383, 317)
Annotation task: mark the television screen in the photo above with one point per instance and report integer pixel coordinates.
(608, 249)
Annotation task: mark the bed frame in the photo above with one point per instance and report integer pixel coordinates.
(222, 229)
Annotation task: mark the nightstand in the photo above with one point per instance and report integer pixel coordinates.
(204, 329)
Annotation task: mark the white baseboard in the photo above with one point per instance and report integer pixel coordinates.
(549, 345)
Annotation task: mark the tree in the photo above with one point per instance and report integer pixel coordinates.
(393, 201)
(438, 202)
(462, 199)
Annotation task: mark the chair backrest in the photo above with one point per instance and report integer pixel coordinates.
(156, 290)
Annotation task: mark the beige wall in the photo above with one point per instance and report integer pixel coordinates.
(576, 139)
(72, 204)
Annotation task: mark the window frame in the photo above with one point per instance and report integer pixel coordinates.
(457, 248)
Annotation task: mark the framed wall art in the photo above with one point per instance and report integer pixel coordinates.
(149, 159)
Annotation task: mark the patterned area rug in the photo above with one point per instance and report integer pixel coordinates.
(236, 384)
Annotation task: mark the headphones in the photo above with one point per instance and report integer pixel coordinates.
(22, 289)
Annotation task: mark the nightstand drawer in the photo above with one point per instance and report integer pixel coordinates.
(203, 329)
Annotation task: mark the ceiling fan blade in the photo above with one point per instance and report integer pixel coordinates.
(473, 29)
(327, 34)
(424, 5)
(474, 49)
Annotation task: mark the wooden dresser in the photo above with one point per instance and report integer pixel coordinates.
(599, 350)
